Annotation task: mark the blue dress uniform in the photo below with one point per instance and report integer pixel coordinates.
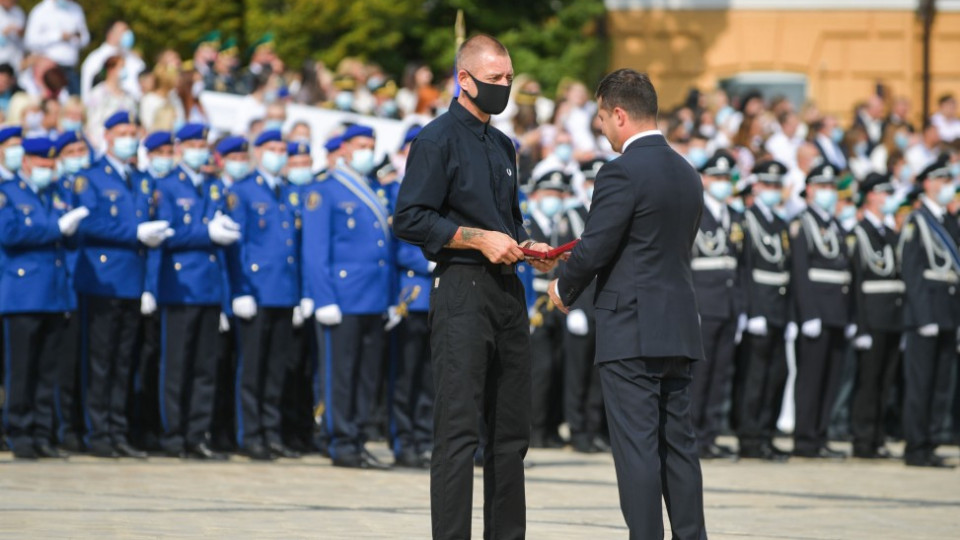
(264, 265)
(110, 279)
(189, 293)
(34, 295)
(348, 262)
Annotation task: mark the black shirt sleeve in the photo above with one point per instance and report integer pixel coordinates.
(423, 193)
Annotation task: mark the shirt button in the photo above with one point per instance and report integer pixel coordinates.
(343, 274)
(286, 224)
(782, 291)
(103, 258)
(139, 213)
(58, 263)
(289, 241)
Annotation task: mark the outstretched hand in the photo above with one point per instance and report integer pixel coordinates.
(542, 265)
(552, 291)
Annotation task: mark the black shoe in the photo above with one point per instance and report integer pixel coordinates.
(126, 450)
(25, 451)
(411, 460)
(351, 461)
(371, 461)
(203, 451)
(46, 450)
(819, 453)
(866, 452)
(278, 450)
(257, 452)
(765, 452)
(72, 443)
(583, 445)
(929, 460)
(174, 453)
(103, 450)
(715, 451)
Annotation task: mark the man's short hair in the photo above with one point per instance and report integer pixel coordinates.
(631, 91)
(477, 44)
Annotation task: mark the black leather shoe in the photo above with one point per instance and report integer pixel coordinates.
(279, 450)
(766, 452)
(72, 443)
(352, 461)
(929, 460)
(371, 461)
(411, 460)
(203, 451)
(257, 452)
(25, 451)
(126, 450)
(583, 445)
(820, 453)
(46, 450)
(715, 451)
(102, 450)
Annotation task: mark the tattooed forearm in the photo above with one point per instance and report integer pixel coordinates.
(467, 234)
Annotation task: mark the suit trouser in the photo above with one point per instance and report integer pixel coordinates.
(32, 343)
(546, 362)
(262, 358)
(68, 400)
(296, 406)
(112, 325)
(654, 445)
(876, 372)
(356, 353)
(188, 369)
(144, 403)
(411, 420)
(712, 378)
(927, 364)
(759, 386)
(819, 364)
(480, 344)
(582, 398)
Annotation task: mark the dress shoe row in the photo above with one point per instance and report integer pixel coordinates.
(362, 460)
(765, 452)
(412, 460)
(928, 459)
(822, 452)
(717, 451)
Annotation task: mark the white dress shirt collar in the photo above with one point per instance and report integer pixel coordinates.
(637, 136)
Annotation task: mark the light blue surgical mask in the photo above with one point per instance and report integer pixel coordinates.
(237, 169)
(127, 40)
(73, 165)
(161, 165)
(550, 205)
(720, 190)
(563, 152)
(69, 124)
(271, 125)
(299, 176)
(837, 135)
(737, 204)
(770, 197)
(826, 199)
(955, 170)
(847, 213)
(723, 114)
(890, 206)
(362, 161)
(947, 193)
(906, 173)
(697, 157)
(571, 203)
(344, 101)
(389, 109)
(125, 148)
(902, 140)
(41, 177)
(196, 157)
(273, 162)
(13, 157)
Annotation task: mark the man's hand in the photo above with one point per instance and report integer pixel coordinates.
(542, 265)
(552, 291)
(497, 247)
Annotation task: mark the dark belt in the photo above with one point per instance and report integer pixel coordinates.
(495, 269)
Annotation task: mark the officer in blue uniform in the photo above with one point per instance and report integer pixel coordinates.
(265, 286)
(110, 279)
(347, 273)
(35, 294)
(190, 293)
(11, 151)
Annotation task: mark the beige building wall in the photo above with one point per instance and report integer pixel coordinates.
(842, 53)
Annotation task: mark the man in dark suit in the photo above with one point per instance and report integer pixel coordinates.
(637, 242)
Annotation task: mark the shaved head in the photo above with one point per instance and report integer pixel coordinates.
(473, 50)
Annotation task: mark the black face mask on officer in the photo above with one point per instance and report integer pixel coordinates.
(491, 98)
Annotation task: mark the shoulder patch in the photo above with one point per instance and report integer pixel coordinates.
(314, 200)
(232, 201)
(80, 184)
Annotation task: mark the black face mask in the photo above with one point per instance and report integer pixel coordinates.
(490, 98)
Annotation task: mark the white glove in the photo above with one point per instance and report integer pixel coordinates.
(430, 266)
(153, 233)
(224, 323)
(812, 328)
(791, 332)
(329, 315)
(245, 307)
(757, 326)
(863, 343)
(71, 220)
(148, 304)
(297, 317)
(223, 230)
(929, 330)
(577, 323)
(741, 326)
(850, 331)
(306, 307)
(393, 318)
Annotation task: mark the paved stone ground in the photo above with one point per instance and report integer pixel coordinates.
(569, 496)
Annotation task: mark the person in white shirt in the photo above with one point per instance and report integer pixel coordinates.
(946, 120)
(120, 40)
(783, 145)
(12, 22)
(57, 29)
(925, 152)
(870, 118)
(577, 121)
(107, 98)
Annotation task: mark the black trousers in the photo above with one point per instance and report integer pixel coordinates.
(224, 428)
(296, 405)
(758, 387)
(69, 404)
(582, 398)
(480, 345)
(411, 418)
(111, 330)
(819, 364)
(188, 371)
(876, 372)
(710, 387)
(654, 446)
(546, 375)
(927, 365)
(355, 348)
(32, 342)
(262, 359)
(143, 406)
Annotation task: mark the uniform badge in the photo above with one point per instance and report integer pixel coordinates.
(145, 186)
(294, 199)
(25, 208)
(785, 240)
(80, 185)
(313, 200)
(232, 201)
(58, 203)
(908, 232)
(851, 242)
(736, 233)
(214, 193)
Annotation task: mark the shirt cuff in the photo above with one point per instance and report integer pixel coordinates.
(439, 236)
(556, 288)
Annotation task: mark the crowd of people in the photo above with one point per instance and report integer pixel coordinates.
(166, 287)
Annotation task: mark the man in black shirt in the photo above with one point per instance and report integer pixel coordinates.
(459, 203)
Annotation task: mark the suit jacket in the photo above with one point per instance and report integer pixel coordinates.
(931, 295)
(637, 242)
(878, 296)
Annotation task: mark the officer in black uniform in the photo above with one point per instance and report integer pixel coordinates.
(765, 274)
(878, 300)
(821, 287)
(716, 279)
(930, 264)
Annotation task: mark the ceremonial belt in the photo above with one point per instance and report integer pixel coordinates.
(713, 263)
(766, 277)
(834, 277)
(947, 276)
(881, 286)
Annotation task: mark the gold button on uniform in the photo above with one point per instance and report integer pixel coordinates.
(382, 262)
(289, 241)
(290, 259)
(351, 223)
(28, 222)
(20, 272)
(103, 258)
(343, 274)
(177, 266)
(286, 224)
(410, 273)
(255, 267)
(186, 219)
(379, 243)
(213, 258)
